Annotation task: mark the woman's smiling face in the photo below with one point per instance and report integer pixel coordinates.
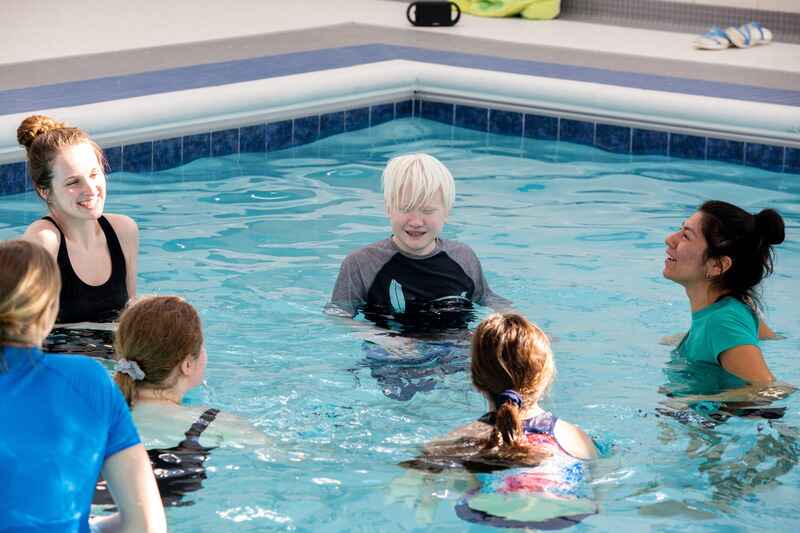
(686, 253)
(78, 189)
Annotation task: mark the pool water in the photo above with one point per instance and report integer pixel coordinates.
(573, 235)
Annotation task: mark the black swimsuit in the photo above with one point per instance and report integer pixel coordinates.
(178, 470)
(80, 302)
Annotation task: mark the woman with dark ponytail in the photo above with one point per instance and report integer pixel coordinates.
(720, 255)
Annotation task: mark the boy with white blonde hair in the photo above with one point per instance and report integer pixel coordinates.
(414, 276)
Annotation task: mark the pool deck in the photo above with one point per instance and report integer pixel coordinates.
(113, 51)
(116, 37)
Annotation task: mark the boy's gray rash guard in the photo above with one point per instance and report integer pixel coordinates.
(381, 279)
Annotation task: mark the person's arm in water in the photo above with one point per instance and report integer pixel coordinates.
(133, 486)
(747, 363)
(764, 331)
(235, 431)
(349, 294)
(390, 341)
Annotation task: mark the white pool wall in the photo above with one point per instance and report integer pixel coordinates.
(176, 113)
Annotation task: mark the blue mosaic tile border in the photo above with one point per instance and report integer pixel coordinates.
(611, 137)
(162, 154)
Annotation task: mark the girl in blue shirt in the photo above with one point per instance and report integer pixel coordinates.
(63, 419)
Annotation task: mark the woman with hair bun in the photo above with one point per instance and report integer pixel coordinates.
(720, 255)
(97, 253)
(63, 420)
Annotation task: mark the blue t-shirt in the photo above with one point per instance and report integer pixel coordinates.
(62, 416)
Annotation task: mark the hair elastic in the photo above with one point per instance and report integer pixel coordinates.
(508, 395)
(131, 368)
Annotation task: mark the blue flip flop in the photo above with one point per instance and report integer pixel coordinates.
(748, 35)
(713, 39)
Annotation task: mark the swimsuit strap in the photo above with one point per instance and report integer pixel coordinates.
(192, 439)
(63, 259)
(118, 268)
(53, 222)
(544, 423)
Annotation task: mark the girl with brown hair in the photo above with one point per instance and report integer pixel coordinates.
(160, 356)
(160, 351)
(512, 366)
(97, 253)
(529, 464)
(63, 420)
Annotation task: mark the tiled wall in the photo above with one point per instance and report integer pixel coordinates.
(162, 154)
(782, 17)
(610, 137)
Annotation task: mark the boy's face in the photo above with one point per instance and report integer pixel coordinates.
(415, 231)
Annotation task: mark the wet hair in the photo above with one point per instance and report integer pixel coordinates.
(510, 353)
(29, 287)
(43, 139)
(747, 239)
(411, 181)
(158, 333)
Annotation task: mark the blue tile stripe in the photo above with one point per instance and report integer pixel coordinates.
(209, 75)
(13, 178)
(163, 154)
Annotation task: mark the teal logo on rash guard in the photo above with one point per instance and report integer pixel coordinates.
(396, 297)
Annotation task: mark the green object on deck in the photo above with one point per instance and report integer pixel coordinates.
(529, 9)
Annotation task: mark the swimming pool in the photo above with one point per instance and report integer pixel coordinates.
(573, 235)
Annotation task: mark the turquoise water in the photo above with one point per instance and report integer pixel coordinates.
(573, 235)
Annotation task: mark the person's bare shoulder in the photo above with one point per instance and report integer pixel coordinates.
(44, 233)
(574, 440)
(237, 432)
(128, 234)
(124, 226)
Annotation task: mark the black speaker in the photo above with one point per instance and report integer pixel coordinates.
(431, 13)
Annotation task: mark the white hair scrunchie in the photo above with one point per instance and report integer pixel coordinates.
(131, 368)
